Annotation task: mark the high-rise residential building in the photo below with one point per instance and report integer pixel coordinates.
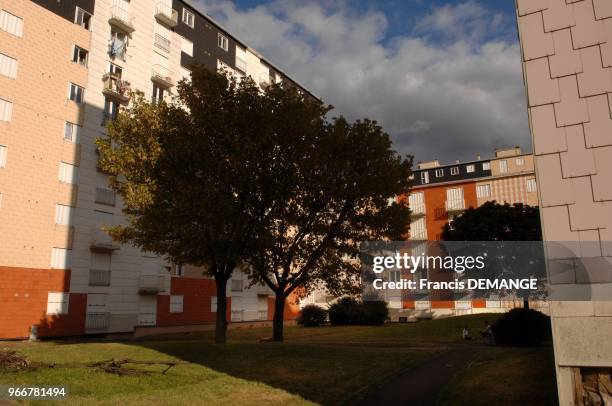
(66, 67)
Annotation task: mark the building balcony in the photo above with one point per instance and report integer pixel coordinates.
(116, 88)
(418, 235)
(101, 241)
(241, 64)
(105, 196)
(151, 284)
(97, 321)
(417, 210)
(99, 277)
(165, 14)
(122, 19)
(162, 43)
(455, 205)
(162, 76)
(237, 315)
(262, 315)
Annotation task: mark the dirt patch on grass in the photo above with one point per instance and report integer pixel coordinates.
(13, 361)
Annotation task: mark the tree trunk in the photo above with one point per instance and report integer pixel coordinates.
(525, 303)
(279, 317)
(221, 323)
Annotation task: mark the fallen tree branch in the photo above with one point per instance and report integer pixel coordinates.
(115, 366)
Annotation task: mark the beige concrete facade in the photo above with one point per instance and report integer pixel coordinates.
(34, 137)
(567, 59)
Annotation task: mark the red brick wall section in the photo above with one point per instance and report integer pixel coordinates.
(197, 293)
(23, 300)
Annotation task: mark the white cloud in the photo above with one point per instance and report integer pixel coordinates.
(450, 99)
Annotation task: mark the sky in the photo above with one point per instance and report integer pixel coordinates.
(443, 77)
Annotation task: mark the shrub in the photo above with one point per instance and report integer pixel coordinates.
(375, 312)
(348, 311)
(522, 328)
(312, 316)
(345, 312)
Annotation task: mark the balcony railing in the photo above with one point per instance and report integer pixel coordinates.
(237, 285)
(241, 64)
(99, 277)
(105, 196)
(418, 234)
(417, 209)
(97, 321)
(162, 42)
(101, 241)
(116, 88)
(162, 76)
(262, 315)
(121, 18)
(455, 205)
(237, 315)
(165, 14)
(151, 284)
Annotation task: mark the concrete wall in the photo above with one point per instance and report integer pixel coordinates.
(567, 58)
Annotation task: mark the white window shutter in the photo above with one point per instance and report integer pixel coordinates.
(11, 23)
(6, 110)
(60, 258)
(3, 156)
(57, 303)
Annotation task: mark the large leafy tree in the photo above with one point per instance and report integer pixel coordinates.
(332, 185)
(186, 172)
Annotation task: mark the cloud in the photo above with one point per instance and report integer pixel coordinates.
(449, 89)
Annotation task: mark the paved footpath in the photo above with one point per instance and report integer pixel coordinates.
(421, 385)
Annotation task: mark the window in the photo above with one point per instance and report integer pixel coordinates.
(11, 23)
(68, 173)
(454, 199)
(187, 46)
(8, 66)
(213, 304)
(158, 94)
(455, 170)
(60, 258)
(241, 59)
(394, 276)
(63, 214)
(222, 42)
(162, 37)
(71, 132)
(520, 161)
(503, 166)
(418, 230)
(188, 17)
(100, 269)
(6, 110)
(470, 168)
(531, 185)
(3, 154)
(416, 202)
(424, 177)
(483, 190)
(115, 70)
(118, 44)
(178, 270)
(57, 303)
(236, 285)
(82, 18)
(439, 173)
(75, 93)
(79, 55)
(486, 166)
(111, 108)
(176, 304)
(105, 196)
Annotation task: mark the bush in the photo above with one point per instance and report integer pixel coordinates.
(348, 311)
(375, 312)
(345, 312)
(522, 328)
(312, 316)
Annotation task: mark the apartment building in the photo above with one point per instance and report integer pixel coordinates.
(66, 67)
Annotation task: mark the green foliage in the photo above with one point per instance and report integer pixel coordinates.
(495, 222)
(522, 328)
(312, 316)
(348, 311)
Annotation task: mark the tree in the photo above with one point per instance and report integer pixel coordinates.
(185, 171)
(332, 185)
(495, 222)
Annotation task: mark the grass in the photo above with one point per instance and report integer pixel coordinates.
(327, 365)
(505, 376)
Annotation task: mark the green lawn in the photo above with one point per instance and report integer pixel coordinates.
(505, 376)
(328, 365)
